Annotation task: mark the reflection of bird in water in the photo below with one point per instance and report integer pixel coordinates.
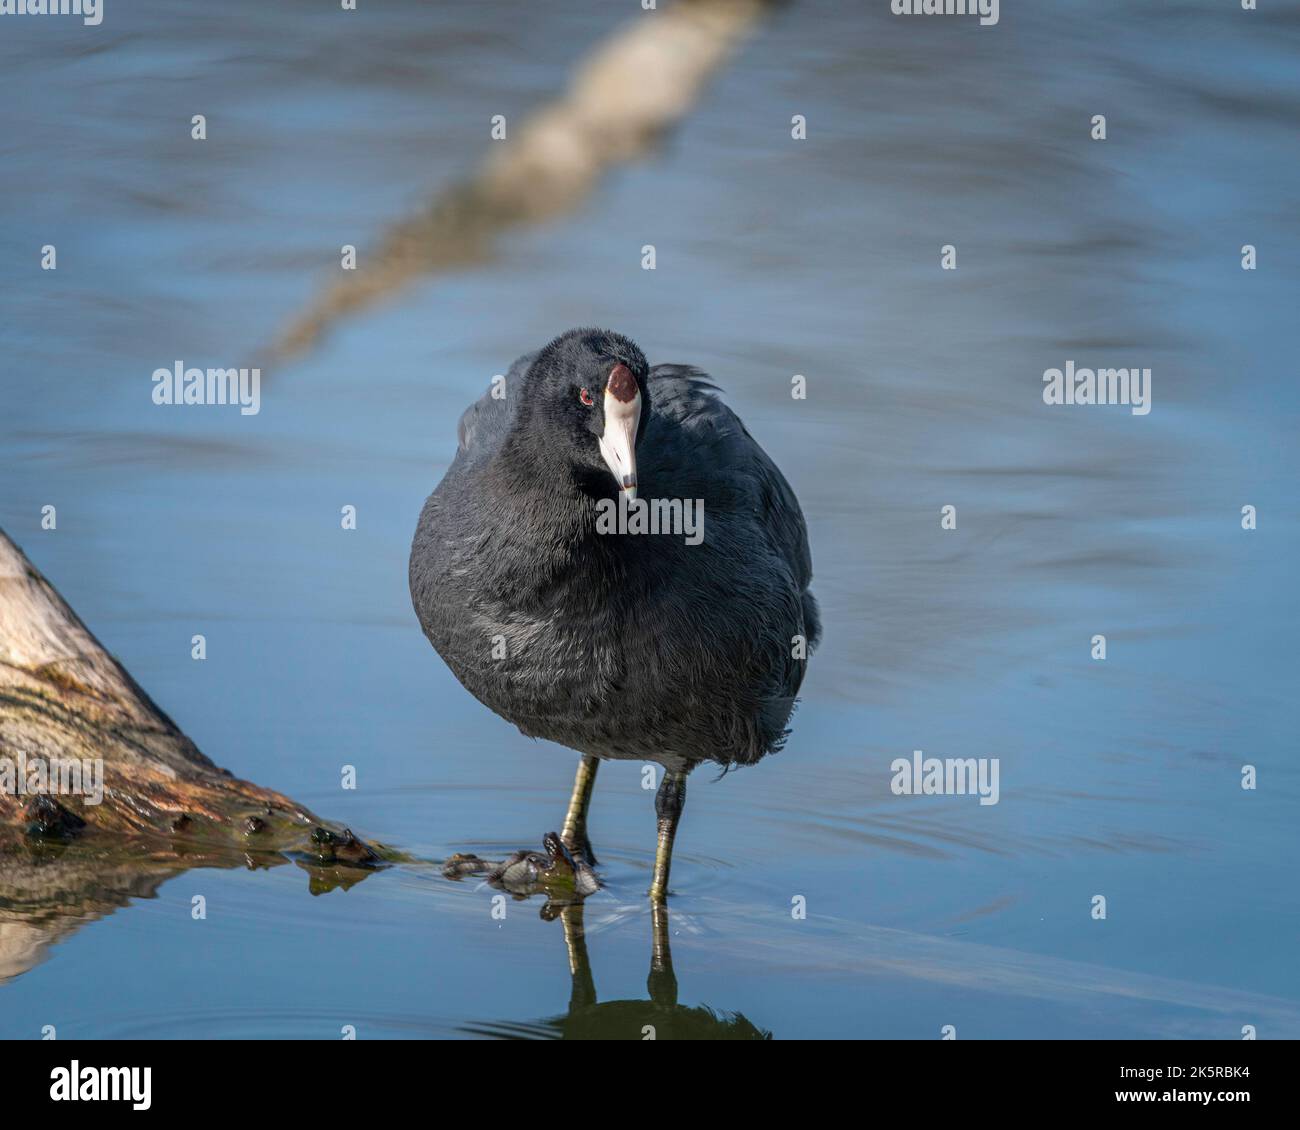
(532, 578)
(660, 1017)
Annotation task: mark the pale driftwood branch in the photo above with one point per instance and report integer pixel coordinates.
(623, 98)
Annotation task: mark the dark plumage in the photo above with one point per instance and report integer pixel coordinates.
(617, 645)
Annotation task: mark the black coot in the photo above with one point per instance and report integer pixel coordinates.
(530, 579)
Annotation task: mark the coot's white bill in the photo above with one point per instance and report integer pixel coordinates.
(622, 415)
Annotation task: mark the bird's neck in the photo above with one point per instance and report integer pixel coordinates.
(539, 496)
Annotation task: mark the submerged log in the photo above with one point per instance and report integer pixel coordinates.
(625, 95)
(145, 803)
(63, 698)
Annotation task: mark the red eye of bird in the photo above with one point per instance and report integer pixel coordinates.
(585, 397)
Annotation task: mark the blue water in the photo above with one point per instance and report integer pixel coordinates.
(774, 257)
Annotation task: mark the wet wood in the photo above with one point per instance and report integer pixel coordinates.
(63, 696)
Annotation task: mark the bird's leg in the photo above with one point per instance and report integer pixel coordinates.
(574, 834)
(669, 801)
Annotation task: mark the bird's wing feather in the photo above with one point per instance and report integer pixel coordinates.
(701, 423)
(483, 425)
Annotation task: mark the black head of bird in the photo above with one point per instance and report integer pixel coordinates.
(582, 409)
